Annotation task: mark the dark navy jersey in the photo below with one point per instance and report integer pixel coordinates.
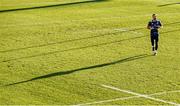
(154, 24)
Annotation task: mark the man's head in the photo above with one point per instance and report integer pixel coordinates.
(154, 16)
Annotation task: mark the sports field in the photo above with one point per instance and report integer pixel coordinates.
(88, 52)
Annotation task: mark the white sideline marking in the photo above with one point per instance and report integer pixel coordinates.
(109, 100)
(126, 98)
(140, 95)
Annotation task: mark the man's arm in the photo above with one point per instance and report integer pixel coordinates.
(160, 25)
(149, 25)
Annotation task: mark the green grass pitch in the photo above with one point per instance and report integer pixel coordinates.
(98, 52)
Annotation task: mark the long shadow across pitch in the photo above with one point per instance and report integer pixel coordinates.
(50, 6)
(66, 72)
(168, 4)
(84, 47)
(72, 40)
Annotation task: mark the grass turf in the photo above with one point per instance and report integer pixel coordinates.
(60, 52)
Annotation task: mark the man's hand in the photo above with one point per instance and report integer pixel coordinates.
(148, 27)
(160, 27)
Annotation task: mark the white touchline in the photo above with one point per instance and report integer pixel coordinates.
(109, 100)
(126, 98)
(140, 95)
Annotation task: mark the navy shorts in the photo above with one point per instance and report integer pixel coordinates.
(154, 36)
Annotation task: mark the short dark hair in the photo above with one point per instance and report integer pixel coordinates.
(153, 14)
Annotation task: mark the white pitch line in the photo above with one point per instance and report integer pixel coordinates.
(109, 100)
(140, 95)
(126, 98)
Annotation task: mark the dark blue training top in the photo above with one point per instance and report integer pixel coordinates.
(154, 25)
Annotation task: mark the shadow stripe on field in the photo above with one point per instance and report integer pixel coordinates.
(72, 40)
(84, 47)
(50, 6)
(163, 5)
(66, 72)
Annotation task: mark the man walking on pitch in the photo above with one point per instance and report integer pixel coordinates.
(154, 25)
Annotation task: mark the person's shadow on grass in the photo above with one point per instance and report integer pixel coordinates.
(168, 4)
(66, 72)
(54, 5)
